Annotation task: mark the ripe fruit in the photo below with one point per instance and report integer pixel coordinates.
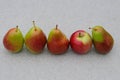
(35, 39)
(102, 40)
(13, 40)
(57, 42)
(80, 42)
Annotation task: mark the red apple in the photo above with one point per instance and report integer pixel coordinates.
(81, 42)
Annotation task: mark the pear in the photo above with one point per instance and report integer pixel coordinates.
(57, 41)
(102, 40)
(35, 39)
(13, 40)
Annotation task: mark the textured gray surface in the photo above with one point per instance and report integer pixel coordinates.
(70, 15)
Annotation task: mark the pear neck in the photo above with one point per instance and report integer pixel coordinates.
(94, 29)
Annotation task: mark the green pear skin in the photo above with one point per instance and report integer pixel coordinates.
(102, 40)
(35, 40)
(57, 42)
(13, 40)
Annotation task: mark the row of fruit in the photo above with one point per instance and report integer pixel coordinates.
(57, 43)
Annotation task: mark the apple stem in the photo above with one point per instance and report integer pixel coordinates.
(56, 26)
(80, 34)
(16, 28)
(34, 25)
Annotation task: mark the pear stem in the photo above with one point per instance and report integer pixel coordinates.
(16, 28)
(34, 25)
(90, 28)
(56, 26)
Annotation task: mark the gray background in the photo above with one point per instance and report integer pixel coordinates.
(70, 15)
